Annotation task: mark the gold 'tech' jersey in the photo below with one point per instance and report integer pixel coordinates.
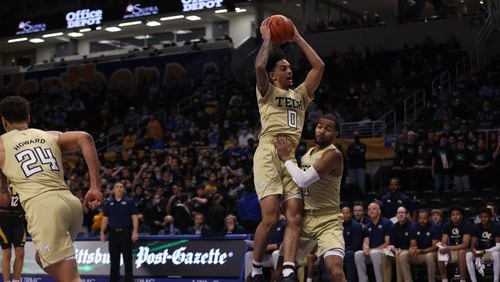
(323, 194)
(282, 112)
(33, 163)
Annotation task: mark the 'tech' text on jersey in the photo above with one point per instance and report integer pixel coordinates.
(282, 112)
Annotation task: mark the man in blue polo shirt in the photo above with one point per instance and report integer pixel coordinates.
(376, 236)
(394, 199)
(485, 238)
(455, 242)
(399, 242)
(424, 235)
(121, 221)
(352, 240)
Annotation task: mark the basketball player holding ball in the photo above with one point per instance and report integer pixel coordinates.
(282, 111)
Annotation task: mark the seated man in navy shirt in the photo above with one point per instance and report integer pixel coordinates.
(424, 235)
(352, 240)
(455, 242)
(376, 236)
(358, 211)
(485, 243)
(399, 242)
(393, 199)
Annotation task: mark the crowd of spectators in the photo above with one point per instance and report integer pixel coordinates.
(198, 164)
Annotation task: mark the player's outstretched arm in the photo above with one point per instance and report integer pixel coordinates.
(4, 191)
(72, 141)
(331, 161)
(262, 57)
(313, 78)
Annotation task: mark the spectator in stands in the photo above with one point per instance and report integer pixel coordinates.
(393, 199)
(485, 244)
(437, 217)
(454, 243)
(244, 136)
(232, 226)
(199, 203)
(154, 129)
(461, 167)
(168, 227)
(403, 163)
(471, 141)
(199, 227)
(424, 235)
(358, 210)
(272, 249)
(216, 213)
(399, 243)
(486, 115)
(421, 174)
(154, 212)
(249, 209)
(376, 236)
(356, 154)
(441, 165)
(481, 161)
(182, 213)
(352, 239)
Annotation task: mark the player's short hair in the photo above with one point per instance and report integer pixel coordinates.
(332, 118)
(457, 208)
(426, 211)
(486, 210)
(274, 57)
(15, 109)
(358, 204)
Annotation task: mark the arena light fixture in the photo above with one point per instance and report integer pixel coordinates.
(98, 28)
(130, 23)
(153, 23)
(170, 18)
(52, 34)
(75, 34)
(113, 29)
(85, 29)
(240, 10)
(142, 37)
(36, 40)
(193, 18)
(17, 39)
(182, 31)
(221, 11)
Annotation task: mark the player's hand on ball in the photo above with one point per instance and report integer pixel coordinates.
(265, 29)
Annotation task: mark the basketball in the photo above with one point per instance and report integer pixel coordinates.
(281, 29)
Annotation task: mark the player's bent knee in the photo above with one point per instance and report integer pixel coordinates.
(19, 251)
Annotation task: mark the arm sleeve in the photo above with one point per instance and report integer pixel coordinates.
(303, 179)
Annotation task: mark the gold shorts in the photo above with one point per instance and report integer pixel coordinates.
(54, 219)
(325, 228)
(270, 174)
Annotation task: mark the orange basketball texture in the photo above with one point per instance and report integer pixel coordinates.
(281, 29)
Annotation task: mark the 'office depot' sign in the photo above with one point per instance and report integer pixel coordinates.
(195, 5)
(85, 17)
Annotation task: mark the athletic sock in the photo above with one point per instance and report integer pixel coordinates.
(288, 268)
(256, 268)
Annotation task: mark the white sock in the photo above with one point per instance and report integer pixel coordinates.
(256, 268)
(444, 280)
(309, 280)
(462, 280)
(288, 270)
